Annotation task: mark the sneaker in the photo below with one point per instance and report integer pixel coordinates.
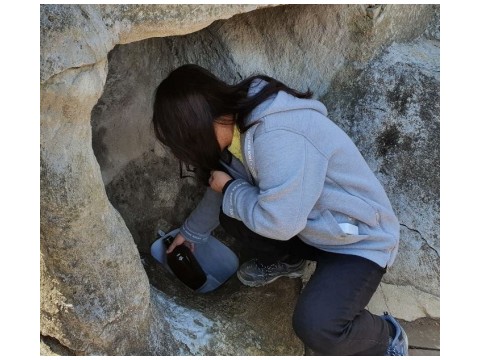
(398, 346)
(254, 273)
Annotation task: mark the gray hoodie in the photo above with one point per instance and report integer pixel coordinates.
(302, 176)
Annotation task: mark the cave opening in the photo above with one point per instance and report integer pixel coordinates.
(145, 183)
(143, 180)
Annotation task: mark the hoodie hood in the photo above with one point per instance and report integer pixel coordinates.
(279, 102)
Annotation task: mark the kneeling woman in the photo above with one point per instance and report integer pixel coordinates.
(291, 185)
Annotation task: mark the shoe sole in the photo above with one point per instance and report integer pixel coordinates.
(262, 283)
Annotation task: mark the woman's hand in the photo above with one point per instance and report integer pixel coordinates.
(218, 179)
(179, 240)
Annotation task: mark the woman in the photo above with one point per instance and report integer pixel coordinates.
(290, 184)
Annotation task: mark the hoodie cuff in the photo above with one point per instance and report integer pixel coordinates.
(228, 203)
(226, 185)
(193, 237)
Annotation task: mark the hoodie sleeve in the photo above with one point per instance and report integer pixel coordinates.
(204, 219)
(290, 177)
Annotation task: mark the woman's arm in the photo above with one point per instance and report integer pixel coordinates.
(290, 175)
(204, 219)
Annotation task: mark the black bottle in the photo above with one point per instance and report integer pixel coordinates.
(184, 265)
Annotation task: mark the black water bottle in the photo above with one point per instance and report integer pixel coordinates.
(184, 265)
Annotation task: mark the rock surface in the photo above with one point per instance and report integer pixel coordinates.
(79, 35)
(82, 235)
(95, 294)
(233, 320)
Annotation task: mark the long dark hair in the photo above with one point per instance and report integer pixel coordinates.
(191, 99)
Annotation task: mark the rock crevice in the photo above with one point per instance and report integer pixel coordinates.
(423, 238)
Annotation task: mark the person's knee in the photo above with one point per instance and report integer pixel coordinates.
(318, 331)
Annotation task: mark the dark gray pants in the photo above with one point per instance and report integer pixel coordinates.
(330, 316)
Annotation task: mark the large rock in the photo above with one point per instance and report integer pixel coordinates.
(95, 295)
(93, 286)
